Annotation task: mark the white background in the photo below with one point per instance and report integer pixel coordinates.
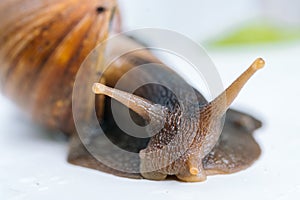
(33, 160)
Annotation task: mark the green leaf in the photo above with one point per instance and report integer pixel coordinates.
(257, 33)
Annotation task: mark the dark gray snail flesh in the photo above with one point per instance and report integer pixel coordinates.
(234, 150)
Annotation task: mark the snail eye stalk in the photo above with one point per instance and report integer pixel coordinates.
(141, 106)
(225, 99)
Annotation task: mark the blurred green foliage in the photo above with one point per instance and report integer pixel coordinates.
(257, 33)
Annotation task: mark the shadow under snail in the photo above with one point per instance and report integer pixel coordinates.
(44, 42)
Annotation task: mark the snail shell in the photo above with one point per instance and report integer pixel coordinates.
(43, 44)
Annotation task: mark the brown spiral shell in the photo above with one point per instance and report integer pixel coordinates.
(42, 45)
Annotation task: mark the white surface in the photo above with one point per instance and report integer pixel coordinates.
(198, 19)
(33, 161)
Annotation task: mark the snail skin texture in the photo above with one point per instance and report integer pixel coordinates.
(42, 46)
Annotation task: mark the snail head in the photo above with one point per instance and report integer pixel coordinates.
(180, 143)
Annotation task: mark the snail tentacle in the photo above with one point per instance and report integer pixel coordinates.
(141, 106)
(221, 104)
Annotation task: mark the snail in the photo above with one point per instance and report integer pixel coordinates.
(43, 44)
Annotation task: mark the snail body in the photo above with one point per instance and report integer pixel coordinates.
(41, 51)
